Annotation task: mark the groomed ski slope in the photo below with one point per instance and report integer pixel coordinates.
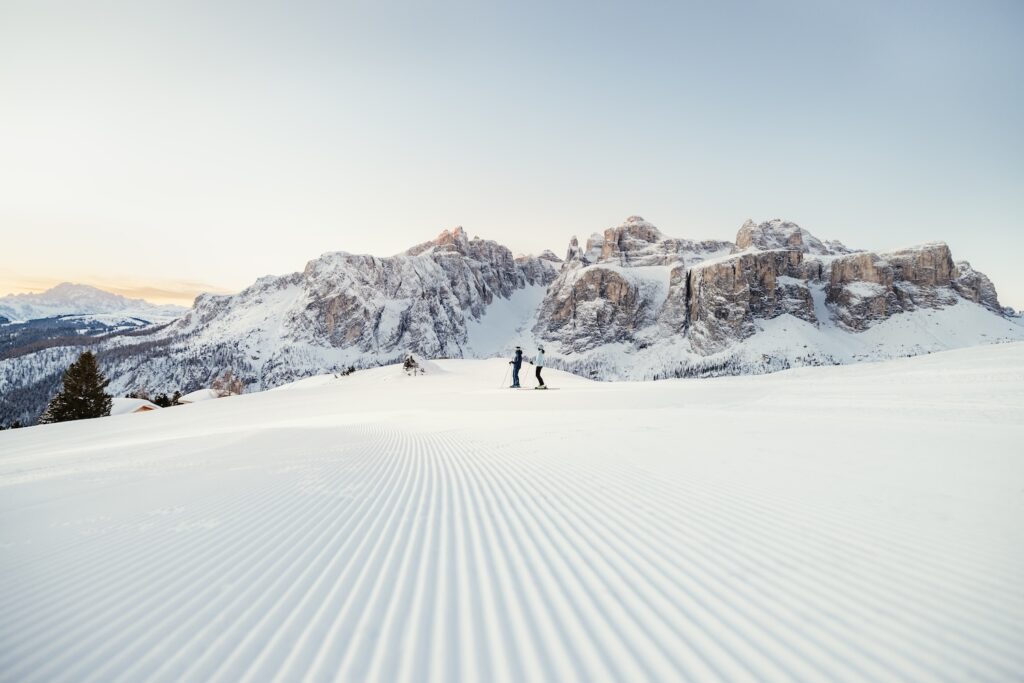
(861, 522)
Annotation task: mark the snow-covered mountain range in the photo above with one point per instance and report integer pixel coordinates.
(68, 299)
(628, 303)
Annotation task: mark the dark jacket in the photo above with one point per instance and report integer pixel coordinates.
(517, 360)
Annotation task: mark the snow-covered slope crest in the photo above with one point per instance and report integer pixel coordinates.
(858, 523)
(74, 299)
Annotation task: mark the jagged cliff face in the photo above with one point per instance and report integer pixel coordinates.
(613, 289)
(727, 296)
(866, 288)
(419, 301)
(976, 287)
(634, 287)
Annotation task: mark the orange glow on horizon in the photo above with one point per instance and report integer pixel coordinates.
(181, 293)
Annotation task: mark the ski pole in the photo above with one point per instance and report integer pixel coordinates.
(505, 379)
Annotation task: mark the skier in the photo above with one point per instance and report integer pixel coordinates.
(516, 363)
(539, 362)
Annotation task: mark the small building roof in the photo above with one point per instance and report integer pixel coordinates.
(124, 406)
(198, 395)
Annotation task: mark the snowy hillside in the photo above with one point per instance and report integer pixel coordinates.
(70, 299)
(380, 527)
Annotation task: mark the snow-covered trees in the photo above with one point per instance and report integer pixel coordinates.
(165, 400)
(82, 395)
(228, 385)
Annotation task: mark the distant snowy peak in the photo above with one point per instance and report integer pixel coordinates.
(780, 234)
(76, 299)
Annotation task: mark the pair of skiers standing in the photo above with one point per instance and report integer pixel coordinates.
(517, 362)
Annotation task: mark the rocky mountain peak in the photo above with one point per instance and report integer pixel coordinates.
(455, 236)
(781, 234)
(454, 239)
(548, 255)
(635, 234)
(574, 253)
(591, 253)
(637, 242)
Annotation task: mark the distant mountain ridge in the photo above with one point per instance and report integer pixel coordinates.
(76, 299)
(628, 303)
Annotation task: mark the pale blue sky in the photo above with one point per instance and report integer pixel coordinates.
(162, 143)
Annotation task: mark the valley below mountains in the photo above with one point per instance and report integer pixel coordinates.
(629, 303)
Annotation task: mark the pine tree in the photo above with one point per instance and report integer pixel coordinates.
(82, 396)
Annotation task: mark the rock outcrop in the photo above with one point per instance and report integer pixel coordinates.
(727, 295)
(614, 289)
(867, 287)
(861, 289)
(595, 306)
(977, 287)
(540, 269)
(638, 243)
(780, 234)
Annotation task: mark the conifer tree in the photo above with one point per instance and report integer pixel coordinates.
(82, 395)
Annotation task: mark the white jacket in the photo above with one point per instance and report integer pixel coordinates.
(539, 361)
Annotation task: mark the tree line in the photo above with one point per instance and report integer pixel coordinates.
(83, 393)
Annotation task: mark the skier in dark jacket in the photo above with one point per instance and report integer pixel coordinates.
(516, 363)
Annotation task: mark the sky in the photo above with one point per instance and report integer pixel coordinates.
(166, 148)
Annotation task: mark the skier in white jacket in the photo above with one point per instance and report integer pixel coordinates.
(539, 362)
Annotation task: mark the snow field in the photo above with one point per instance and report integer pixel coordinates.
(844, 523)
